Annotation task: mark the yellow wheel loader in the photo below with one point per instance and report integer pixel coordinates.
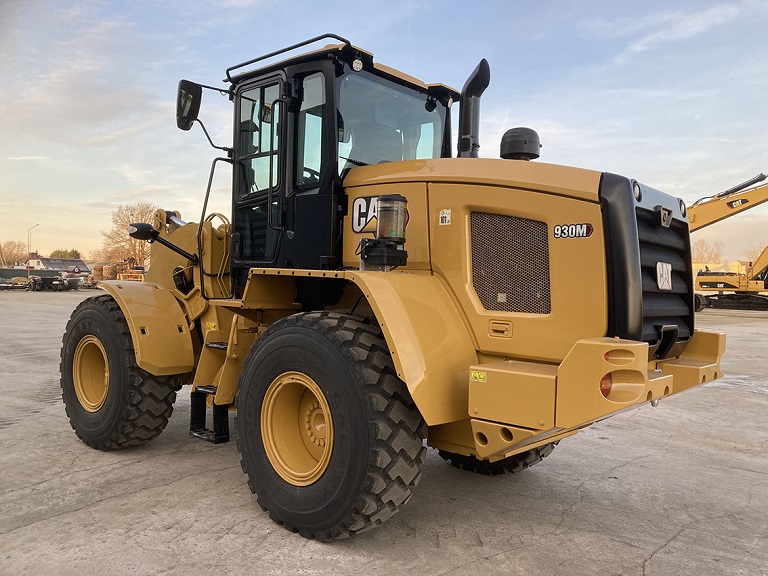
(371, 295)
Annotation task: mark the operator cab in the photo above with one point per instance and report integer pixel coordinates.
(300, 125)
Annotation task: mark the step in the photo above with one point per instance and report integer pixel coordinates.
(197, 416)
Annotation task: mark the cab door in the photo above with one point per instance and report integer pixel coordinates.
(258, 178)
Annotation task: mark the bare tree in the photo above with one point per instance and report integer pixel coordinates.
(117, 246)
(704, 252)
(754, 252)
(14, 252)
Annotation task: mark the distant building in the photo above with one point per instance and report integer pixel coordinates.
(65, 265)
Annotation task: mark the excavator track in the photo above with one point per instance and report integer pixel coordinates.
(739, 302)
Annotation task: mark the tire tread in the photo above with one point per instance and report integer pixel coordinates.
(397, 432)
(150, 398)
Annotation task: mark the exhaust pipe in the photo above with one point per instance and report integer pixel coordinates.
(469, 120)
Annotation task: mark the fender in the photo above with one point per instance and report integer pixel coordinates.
(159, 330)
(428, 338)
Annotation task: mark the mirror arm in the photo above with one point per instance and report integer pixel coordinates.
(224, 148)
(144, 231)
(223, 91)
(159, 239)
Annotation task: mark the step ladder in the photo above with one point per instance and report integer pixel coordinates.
(199, 406)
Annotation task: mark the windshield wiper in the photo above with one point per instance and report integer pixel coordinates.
(355, 162)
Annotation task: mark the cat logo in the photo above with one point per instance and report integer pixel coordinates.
(364, 214)
(737, 203)
(664, 275)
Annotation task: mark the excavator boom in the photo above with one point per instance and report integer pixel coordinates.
(711, 209)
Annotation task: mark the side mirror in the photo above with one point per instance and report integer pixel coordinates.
(188, 103)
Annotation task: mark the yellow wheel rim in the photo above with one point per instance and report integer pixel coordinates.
(297, 428)
(90, 373)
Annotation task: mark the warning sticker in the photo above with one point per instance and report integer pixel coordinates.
(477, 376)
(445, 217)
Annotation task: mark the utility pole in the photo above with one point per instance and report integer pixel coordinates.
(29, 237)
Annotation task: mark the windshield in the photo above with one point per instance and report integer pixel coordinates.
(381, 121)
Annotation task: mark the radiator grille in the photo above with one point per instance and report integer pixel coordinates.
(664, 307)
(510, 263)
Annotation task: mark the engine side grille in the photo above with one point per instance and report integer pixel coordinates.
(510, 263)
(664, 307)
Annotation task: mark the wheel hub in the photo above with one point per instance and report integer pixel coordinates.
(90, 373)
(314, 424)
(297, 428)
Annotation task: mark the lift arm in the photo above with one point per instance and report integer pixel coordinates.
(711, 209)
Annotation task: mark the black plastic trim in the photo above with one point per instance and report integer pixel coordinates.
(625, 289)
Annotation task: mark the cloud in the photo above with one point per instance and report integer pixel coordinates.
(26, 158)
(683, 26)
(670, 27)
(77, 89)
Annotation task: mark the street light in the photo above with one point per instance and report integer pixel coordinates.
(29, 237)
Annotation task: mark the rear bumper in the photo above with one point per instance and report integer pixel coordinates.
(514, 406)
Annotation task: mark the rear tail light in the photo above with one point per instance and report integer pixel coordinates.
(606, 385)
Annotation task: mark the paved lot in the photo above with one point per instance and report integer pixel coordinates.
(681, 489)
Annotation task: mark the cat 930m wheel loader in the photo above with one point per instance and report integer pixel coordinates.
(371, 292)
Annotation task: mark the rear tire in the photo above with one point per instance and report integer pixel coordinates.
(329, 437)
(510, 465)
(111, 402)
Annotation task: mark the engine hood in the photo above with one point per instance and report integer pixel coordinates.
(538, 176)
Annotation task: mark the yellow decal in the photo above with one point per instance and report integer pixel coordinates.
(210, 325)
(477, 376)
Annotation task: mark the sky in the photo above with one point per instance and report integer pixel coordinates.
(672, 94)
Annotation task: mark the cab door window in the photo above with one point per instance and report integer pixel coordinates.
(259, 141)
(258, 177)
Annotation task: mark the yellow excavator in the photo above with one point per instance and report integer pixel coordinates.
(734, 290)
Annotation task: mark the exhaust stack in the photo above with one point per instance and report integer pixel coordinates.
(469, 120)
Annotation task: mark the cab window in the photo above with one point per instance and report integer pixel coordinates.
(258, 139)
(309, 131)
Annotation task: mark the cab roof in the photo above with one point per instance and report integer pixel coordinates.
(344, 51)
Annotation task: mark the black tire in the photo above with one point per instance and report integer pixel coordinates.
(127, 408)
(375, 432)
(510, 465)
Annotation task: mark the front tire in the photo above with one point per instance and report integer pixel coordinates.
(329, 437)
(111, 402)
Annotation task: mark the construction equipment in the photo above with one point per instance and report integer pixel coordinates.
(133, 276)
(734, 290)
(343, 345)
(711, 209)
